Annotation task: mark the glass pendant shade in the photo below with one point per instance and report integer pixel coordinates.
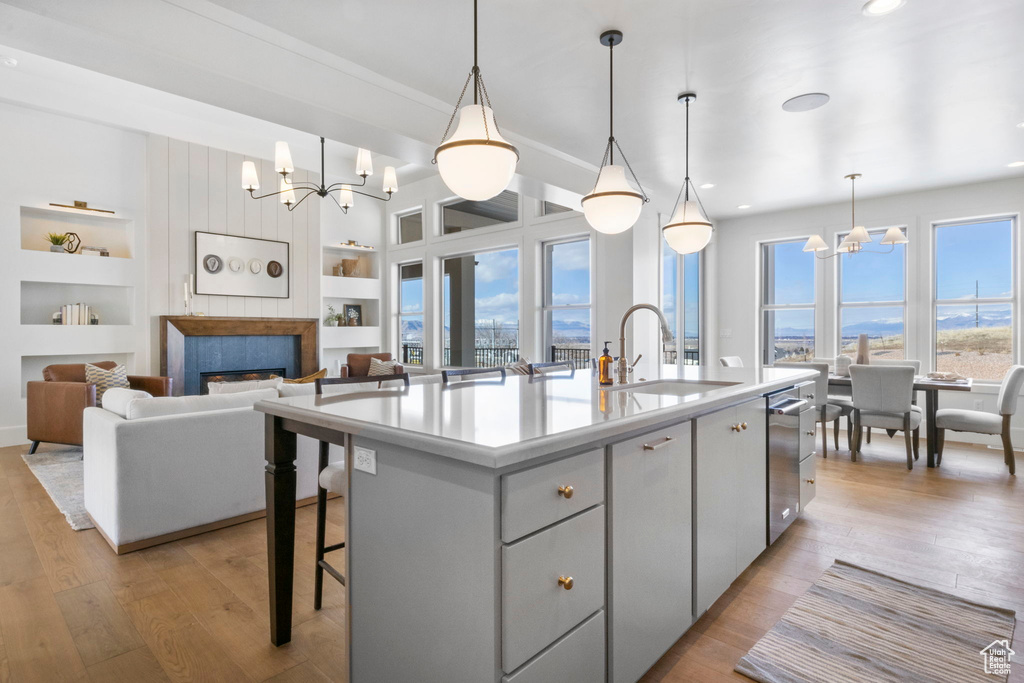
(689, 230)
(614, 206)
(283, 158)
(364, 163)
(894, 236)
(815, 243)
(346, 198)
(390, 180)
(860, 235)
(287, 193)
(476, 163)
(250, 179)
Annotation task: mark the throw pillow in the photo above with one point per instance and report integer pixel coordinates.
(239, 386)
(308, 379)
(105, 379)
(116, 400)
(380, 367)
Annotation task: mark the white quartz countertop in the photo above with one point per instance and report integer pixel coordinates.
(495, 424)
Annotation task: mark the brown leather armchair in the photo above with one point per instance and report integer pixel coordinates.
(55, 405)
(358, 364)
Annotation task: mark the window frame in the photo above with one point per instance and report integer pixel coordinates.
(421, 312)
(764, 308)
(680, 296)
(903, 304)
(1014, 220)
(397, 227)
(547, 295)
(439, 206)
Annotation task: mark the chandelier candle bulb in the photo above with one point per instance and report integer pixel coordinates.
(390, 180)
(250, 179)
(287, 193)
(345, 197)
(364, 163)
(283, 158)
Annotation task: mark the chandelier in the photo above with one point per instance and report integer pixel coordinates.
(345, 192)
(854, 242)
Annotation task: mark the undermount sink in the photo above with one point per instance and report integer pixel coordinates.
(674, 387)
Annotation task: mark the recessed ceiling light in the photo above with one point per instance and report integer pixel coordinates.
(1015, 164)
(8, 61)
(806, 102)
(1021, 124)
(743, 206)
(707, 186)
(876, 8)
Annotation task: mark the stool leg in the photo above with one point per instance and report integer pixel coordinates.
(321, 526)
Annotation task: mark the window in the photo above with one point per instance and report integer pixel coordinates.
(872, 298)
(410, 315)
(481, 309)
(550, 209)
(787, 302)
(974, 298)
(566, 308)
(685, 322)
(462, 215)
(410, 227)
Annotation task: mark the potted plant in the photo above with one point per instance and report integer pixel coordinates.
(332, 317)
(57, 241)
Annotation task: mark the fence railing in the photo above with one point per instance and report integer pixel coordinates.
(490, 356)
(580, 358)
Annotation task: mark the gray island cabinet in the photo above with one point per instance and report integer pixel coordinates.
(533, 531)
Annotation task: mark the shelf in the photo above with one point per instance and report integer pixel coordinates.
(94, 229)
(45, 266)
(349, 337)
(346, 247)
(334, 287)
(97, 340)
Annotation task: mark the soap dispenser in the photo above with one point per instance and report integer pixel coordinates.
(604, 367)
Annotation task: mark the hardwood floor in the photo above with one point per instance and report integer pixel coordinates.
(196, 609)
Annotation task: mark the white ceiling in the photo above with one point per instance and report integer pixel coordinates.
(927, 96)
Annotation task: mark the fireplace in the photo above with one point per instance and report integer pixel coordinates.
(193, 349)
(237, 376)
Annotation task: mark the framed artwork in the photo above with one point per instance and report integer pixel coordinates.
(228, 265)
(353, 315)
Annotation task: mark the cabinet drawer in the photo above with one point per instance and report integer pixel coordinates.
(576, 658)
(808, 424)
(536, 609)
(531, 500)
(806, 481)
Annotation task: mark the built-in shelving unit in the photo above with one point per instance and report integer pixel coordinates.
(110, 285)
(363, 289)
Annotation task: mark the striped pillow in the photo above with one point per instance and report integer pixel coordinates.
(380, 367)
(105, 379)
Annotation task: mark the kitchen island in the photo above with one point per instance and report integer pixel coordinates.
(532, 529)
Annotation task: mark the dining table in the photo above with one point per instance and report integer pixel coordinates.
(931, 389)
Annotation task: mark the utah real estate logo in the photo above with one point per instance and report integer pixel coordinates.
(997, 657)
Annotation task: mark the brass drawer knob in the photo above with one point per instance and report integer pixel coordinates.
(744, 425)
(809, 433)
(809, 481)
(565, 491)
(735, 428)
(565, 582)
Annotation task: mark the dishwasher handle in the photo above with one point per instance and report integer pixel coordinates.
(789, 406)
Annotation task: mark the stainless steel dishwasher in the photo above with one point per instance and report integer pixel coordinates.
(790, 437)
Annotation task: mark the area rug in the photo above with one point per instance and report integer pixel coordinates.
(60, 473)
(858, 625)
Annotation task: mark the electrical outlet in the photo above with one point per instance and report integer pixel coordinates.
(365, 460)
(979, 404)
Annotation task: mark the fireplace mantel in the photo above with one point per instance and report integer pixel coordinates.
(175, 328)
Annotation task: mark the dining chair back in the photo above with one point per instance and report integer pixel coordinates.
(1009, 390)
(897, 362)
(731, 361)
(466, 372)
(883, 397)
(364, 379)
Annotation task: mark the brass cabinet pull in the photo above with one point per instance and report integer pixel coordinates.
(744, 425)
(565, 582)
(654, 446)
(809, 481)
(809, 433)
(735, 428)
(565, 491)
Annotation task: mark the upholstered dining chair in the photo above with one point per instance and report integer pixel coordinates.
(731, 361)
(986, 423)
(825, 411)
(883, 398)
(846, 402)
(333, 478)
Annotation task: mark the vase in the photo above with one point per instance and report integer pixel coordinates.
(331, 323)
(57, 248)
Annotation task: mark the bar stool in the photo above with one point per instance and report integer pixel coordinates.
(547, 368)
(466, 372)
(333, 478)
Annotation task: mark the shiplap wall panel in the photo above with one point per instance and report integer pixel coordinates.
(193, 187)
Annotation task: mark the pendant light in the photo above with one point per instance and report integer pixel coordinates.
(476, 163)
(858, 236)
(613, 206)
(689, 230)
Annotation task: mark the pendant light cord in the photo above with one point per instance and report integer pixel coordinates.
(611, 100)
(853, 203)
(686, 180)
(476, 60)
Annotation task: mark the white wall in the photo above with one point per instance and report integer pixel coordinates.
(51, 158)
(733, 271)
(612, 265)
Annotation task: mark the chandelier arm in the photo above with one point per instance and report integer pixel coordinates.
(338, 184)
(892, 248)
(292, 207)
(635, 179)
(290, 189)
(367, 194)
(343, 209)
